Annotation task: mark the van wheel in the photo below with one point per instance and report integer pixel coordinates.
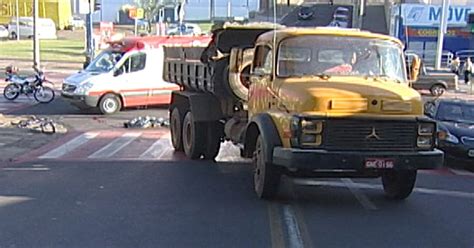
(213, 140)
(437, 90)
(13, 36)
(266, 176)
(176, 129)
(398, 185)
(109, 104)
(193, 137)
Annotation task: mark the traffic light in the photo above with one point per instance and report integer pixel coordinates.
(97, 5)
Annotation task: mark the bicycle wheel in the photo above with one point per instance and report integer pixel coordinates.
(11, 91)
(44, 94)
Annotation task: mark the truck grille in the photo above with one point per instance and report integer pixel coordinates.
(69, 88)
(370, 135)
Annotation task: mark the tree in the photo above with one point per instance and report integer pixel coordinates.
(150, 9)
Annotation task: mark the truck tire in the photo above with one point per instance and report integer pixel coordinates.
(398, 184)
(213, 140)
(193, 137)
(437, 90)
(176, 129)
(266, 176)
(109, 104)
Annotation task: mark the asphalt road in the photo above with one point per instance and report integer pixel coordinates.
(176, 202)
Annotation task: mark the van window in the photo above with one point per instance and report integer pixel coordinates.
(134, 63)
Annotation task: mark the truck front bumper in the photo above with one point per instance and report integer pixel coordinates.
(82, 101)
(318, 159)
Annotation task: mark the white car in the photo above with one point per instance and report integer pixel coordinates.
(341, 18)
(76, 22)
(46, 28)
(183, 29)
(3, 33)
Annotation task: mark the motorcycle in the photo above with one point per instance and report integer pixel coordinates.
(34, 85)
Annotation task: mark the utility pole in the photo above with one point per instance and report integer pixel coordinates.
(361, 13)
(89, 30)
(36, 52)
(443, 25)
(17, 20)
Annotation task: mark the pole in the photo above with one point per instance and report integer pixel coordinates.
(441, 31)
(90, 30)
(36, 52)
(17, 21)
(361, 12)
(229, 6)
(136, 27)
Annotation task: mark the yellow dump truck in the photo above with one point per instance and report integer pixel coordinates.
(303, 102)
(57, 10)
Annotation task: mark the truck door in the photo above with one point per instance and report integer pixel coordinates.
(262, 75)
(131, 80)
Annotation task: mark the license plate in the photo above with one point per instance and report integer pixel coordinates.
(470, 153)
(379, 163)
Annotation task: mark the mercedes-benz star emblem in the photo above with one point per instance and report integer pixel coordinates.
(373, 134)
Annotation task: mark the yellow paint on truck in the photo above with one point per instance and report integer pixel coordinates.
(57, 10)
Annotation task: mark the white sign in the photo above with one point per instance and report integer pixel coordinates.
(430, 15)
(84, 7)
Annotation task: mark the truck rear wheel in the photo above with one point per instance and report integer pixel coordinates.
(193, 137)
(266, 176)
(176, 129)
(213, 140)
(398, 185)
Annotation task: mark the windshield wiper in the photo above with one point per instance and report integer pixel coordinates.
(383, 78)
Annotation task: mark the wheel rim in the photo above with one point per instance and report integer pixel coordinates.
(11, 91)
(187, 134)
(109, 105)
(259, 167)
(44, 94)
(438, 90)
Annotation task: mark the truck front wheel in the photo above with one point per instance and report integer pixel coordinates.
(266, 176)
(176, 129)
(398, 185)
(193, 137)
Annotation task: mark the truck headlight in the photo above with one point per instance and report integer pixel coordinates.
(424, 141)
(427, 129)
(306, 132)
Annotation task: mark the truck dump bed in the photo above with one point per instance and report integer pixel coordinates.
(207, 69)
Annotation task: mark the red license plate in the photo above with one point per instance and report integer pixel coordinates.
(379, 163)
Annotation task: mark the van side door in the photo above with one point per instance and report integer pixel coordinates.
(130, 80)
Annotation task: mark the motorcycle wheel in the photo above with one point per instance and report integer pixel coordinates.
(44, 94)
(11, 91)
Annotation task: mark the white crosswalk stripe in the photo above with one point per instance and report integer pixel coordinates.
(129, 145)
(69, 146)
(115, 146)
(158, 149)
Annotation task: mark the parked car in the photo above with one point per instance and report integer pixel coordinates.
(341, 17)
(3, 33)
(76, 22)
(437, 82)
(184, 29)
(46, 28)
(456, 121)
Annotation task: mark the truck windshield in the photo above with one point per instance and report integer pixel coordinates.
(104, 62)
(340, 56)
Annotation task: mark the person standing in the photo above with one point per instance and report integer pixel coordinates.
(455, 65)
(467, 70)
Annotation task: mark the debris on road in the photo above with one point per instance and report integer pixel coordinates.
(146, 122)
